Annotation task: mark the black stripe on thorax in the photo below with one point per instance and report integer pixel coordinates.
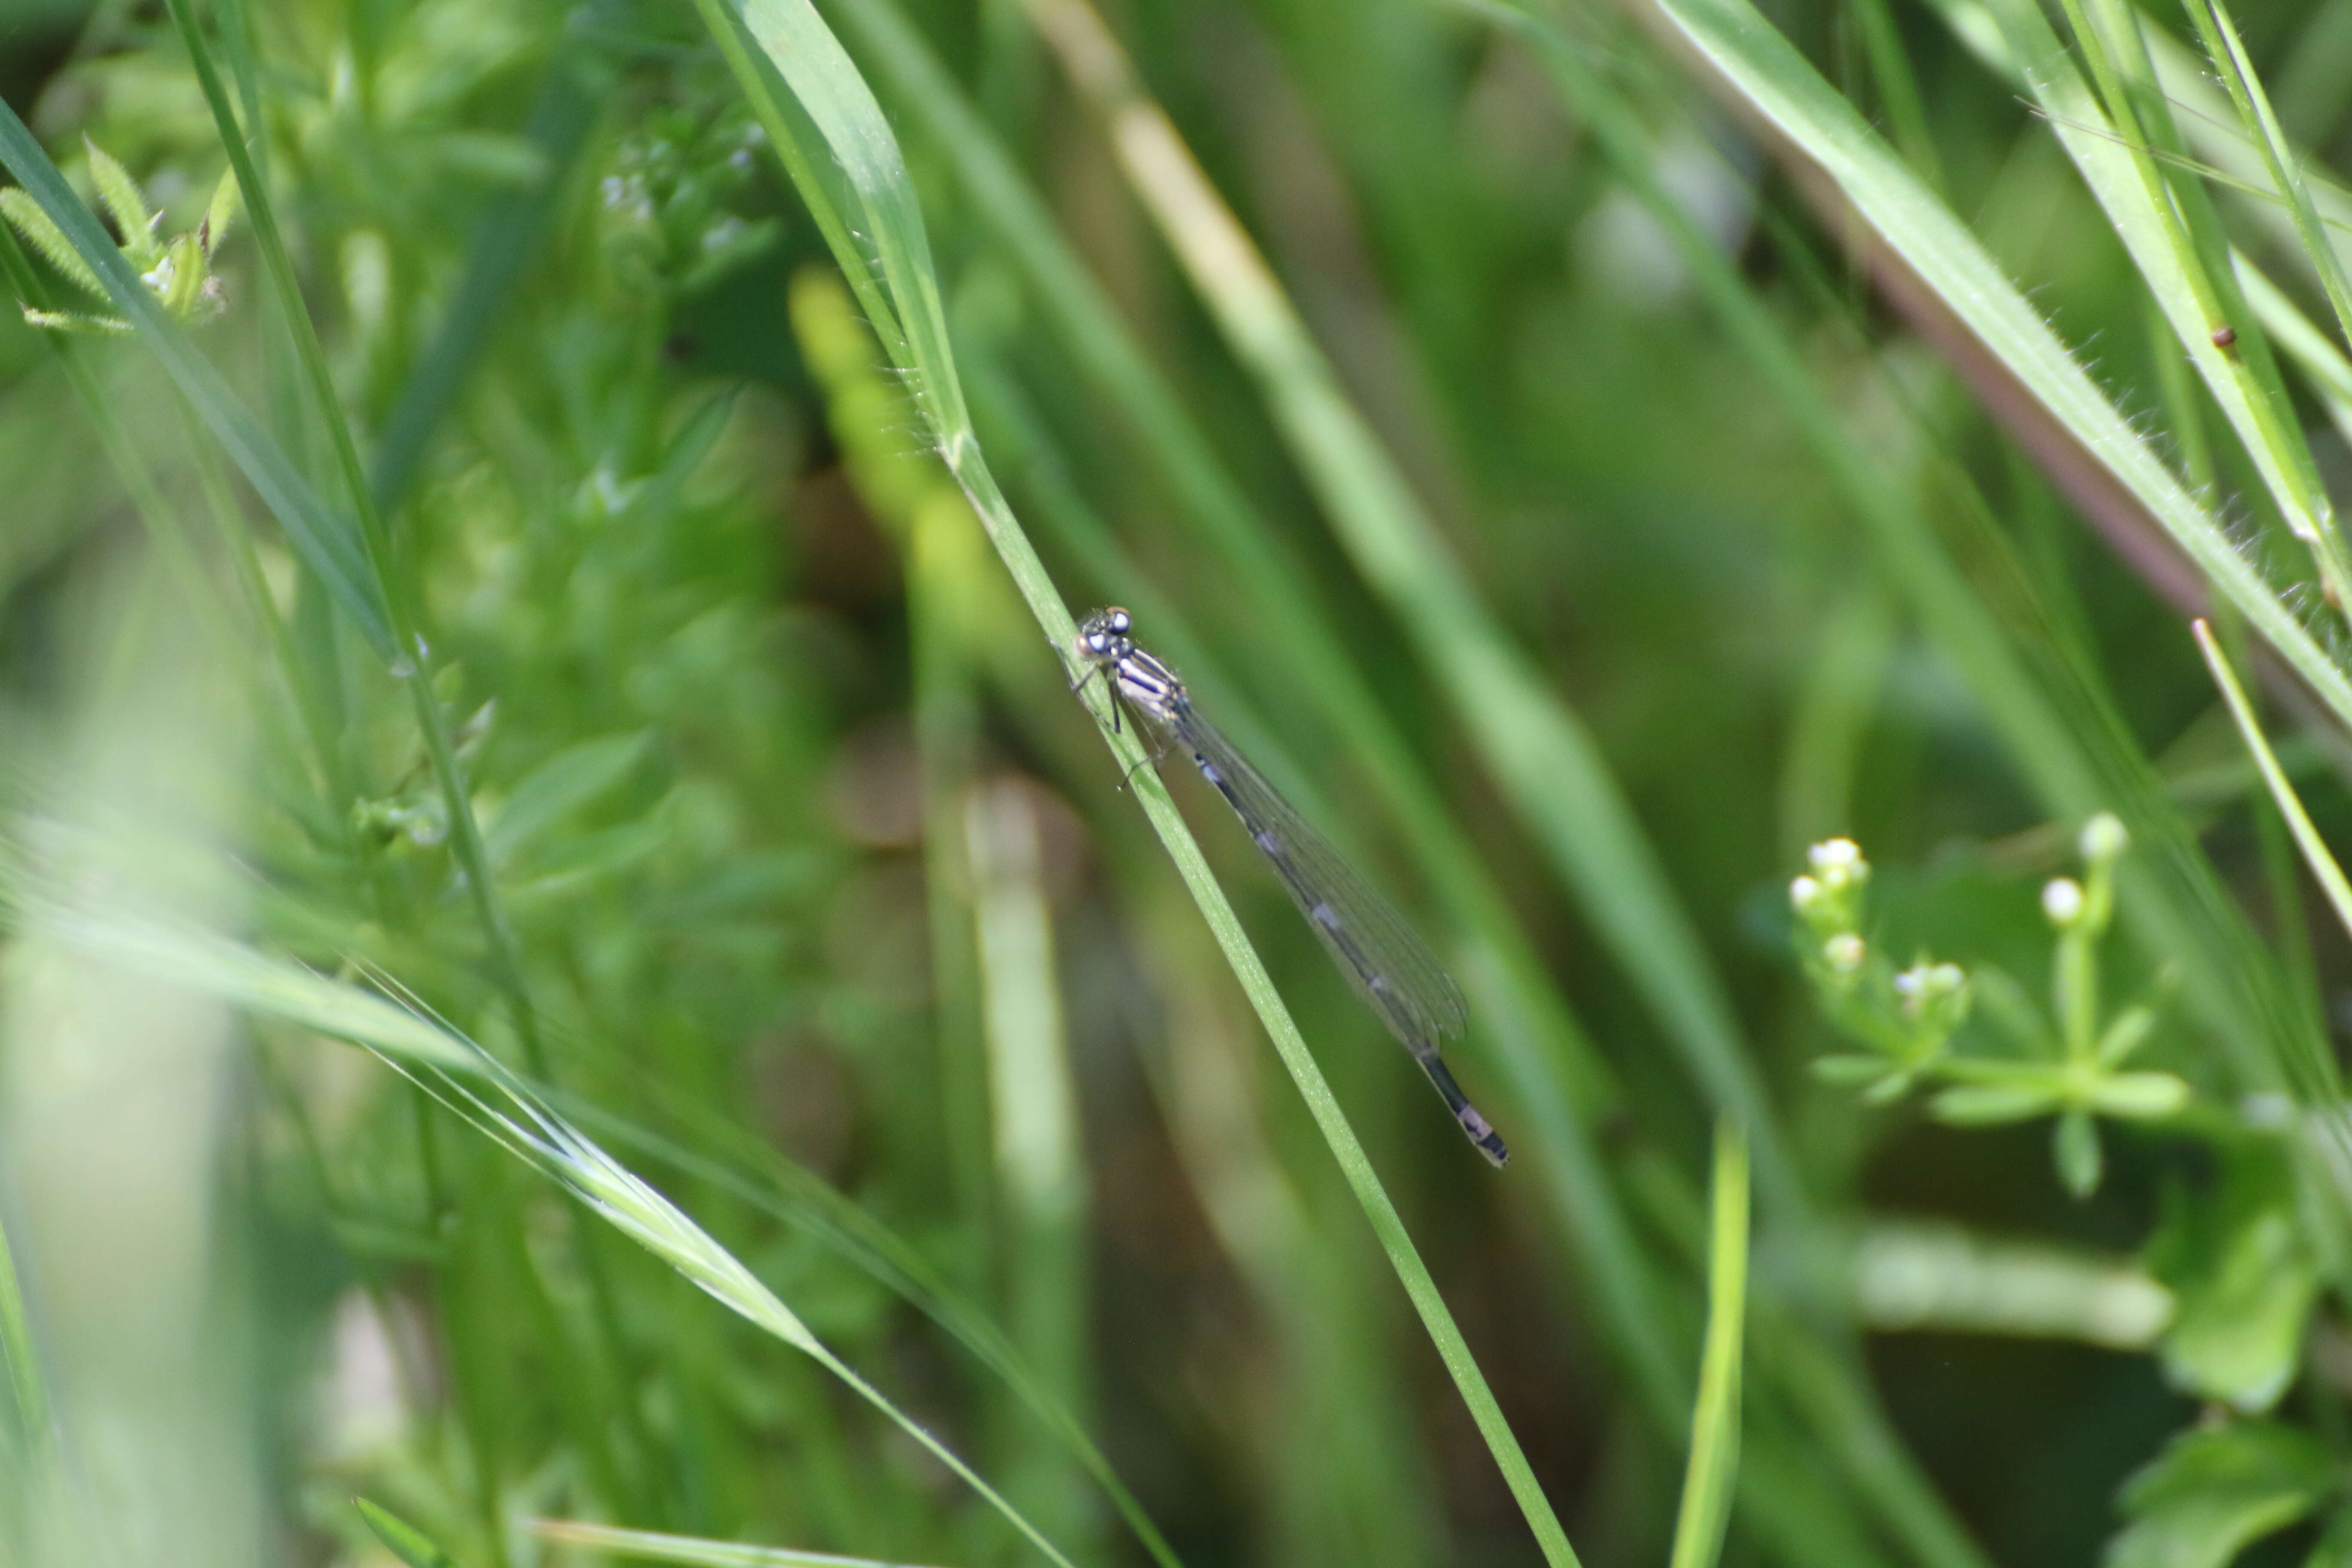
(1150, 685)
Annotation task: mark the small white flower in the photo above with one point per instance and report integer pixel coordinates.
(2061, 901)
(1838, 864)
(1924, 984)
(160, 280)
(1803, 892)
(1843, 952)
(2103, 838)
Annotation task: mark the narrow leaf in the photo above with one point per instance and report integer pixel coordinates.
(119, 195)
(26, 216)
(405, 1543)
(2315, 853)
(653, 1546)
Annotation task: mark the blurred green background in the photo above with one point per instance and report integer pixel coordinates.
(803, 887)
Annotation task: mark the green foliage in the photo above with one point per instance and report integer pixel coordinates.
(403, 1542)
(177, 270)
(2065, 1063)
(586, 572)
(2212, 1493)
(2244, 1282)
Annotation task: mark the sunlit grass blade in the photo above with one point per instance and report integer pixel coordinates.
(1782, 89)
(2330, 374)
(651, 1546)
(2227, 52)
(403, 1540)
(510, 1115)
(2233, 979)
(257, 984)
(1532, 744)
(1562, 1084)
(495, 1102)
(27, 1384)
(1528, 1022)
(2169, 224)
(959, 611)
(1706, 1511)
(859, 143)
(2315, 854)
(721, 1156)
(1041, 1178)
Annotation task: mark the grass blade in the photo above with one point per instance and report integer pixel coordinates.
(1705, 1510)
(836, 101)
(477, 1088)
(2228, 53)
(2306, 838)
(27, 1383)
(403, 1540)
(652, 1546)
(1767, 75)
(1562, 1084)
(1533, 744)
(331, 543)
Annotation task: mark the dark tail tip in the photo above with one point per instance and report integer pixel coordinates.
(1482, 1132)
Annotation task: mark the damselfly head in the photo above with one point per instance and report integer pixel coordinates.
(1103, 637)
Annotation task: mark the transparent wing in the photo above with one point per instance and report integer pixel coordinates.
(1382, 955)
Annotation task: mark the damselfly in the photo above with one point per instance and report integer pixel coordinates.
(1390, 966)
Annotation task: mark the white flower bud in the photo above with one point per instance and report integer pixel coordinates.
(1844, 953)
(2103, 838)
(2061, 901)
(1803, 892)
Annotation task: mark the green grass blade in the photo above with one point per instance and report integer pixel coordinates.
(410, 666)
(403, 1540)
(2329, 372)
(842, 108)
(1562, 1086)
(1785, 90)
(477, 1088)
(284, 286)
(1705, 1511)
(27, 1383)
(504, 242)
(2228, 53)
(2315, 849)
(1532, 744)
(1041, 1176)
(651, 1546)
(2169, 224)
(789, 1193)
(1559, 1081)
(329, 543)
